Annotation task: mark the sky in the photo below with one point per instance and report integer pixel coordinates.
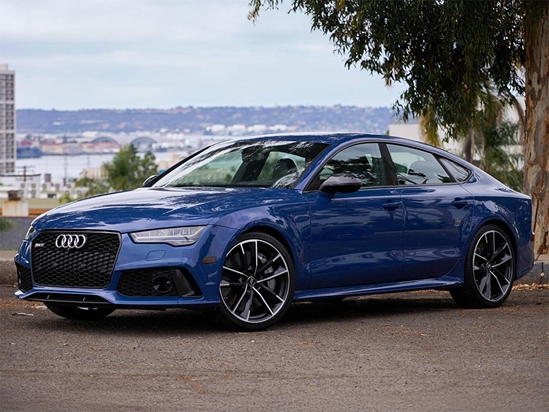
(117, 54)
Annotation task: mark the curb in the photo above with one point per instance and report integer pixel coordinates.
(538, 274)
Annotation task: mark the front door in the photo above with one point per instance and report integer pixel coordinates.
(356, 238)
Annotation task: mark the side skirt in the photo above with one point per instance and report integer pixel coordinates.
(439, 283)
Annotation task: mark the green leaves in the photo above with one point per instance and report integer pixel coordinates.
(5, 224)
(502, 155)
(94, 186)
(445, 51)
(127, 170)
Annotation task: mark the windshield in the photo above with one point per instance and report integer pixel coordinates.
(266, 163)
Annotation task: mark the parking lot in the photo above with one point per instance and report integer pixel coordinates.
(413, 352)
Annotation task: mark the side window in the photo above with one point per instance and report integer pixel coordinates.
(417, 167)
(460, 173)
(362, 161)
(279, 164)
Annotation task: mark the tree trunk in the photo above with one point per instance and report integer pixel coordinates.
(536, 164)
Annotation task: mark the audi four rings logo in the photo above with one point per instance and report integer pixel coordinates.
(70, 241)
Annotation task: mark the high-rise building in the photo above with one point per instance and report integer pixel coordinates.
(7, 120)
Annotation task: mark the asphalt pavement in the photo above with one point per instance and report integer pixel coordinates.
(412, 351)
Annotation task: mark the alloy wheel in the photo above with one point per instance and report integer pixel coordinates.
(256, 283)
(493, 265)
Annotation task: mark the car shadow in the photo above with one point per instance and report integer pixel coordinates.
(170, 322)
(371, 307)
(175, 322)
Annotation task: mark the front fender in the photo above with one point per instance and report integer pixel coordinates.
(290, 220)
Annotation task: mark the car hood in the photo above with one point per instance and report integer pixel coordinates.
(150, 208)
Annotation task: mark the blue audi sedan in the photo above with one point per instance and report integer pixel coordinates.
(246, 227)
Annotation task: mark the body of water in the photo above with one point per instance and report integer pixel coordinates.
(72, 166)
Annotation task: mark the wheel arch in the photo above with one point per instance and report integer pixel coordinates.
(277, 235)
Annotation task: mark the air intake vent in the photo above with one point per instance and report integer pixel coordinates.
(24, 278)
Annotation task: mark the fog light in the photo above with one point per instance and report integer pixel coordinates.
(162, 284)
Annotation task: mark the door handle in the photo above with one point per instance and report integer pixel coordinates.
(459, 203)
(390, 205)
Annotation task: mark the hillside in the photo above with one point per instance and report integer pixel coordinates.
(198, 120)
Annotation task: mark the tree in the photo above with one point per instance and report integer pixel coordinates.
(127, 170)
(429, 128)
(495, 144)
(447, 52)
(92, 185)
(5, 224)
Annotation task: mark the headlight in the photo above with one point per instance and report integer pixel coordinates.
(30, 232)
(176, 236)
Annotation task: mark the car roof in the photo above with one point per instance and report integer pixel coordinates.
(340, 138)
(336, 139)
(329, 138)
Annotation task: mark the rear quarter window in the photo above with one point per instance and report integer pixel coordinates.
(459, 173)
(417, 167)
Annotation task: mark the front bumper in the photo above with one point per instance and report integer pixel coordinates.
(147, 276)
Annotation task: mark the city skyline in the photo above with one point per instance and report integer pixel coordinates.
(162, 54)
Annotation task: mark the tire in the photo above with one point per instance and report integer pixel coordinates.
(78, 313)
(257, 283)
(489, 270)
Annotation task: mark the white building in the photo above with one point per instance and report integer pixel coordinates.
(7, 120)
(236, 130)
(412, 130)
(257, 129)
(216, 129)
(27, 184)
(279, 128)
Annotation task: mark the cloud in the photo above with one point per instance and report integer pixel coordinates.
(163, 53)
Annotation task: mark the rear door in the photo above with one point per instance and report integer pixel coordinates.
(436, 210)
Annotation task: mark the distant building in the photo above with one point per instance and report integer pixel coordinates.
(257, 129)
(412, 130)
(409, 130)
(236, 130)
(216, 129)
(7, 120)
(28, 184)
(279, 128)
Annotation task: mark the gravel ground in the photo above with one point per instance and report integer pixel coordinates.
(403, 352)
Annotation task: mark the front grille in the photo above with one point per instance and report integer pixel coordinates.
(141, 283)
(24, 278)
(88, 267)
(158, 282)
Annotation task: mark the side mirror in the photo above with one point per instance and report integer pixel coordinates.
(149, 180)
(341, 184)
